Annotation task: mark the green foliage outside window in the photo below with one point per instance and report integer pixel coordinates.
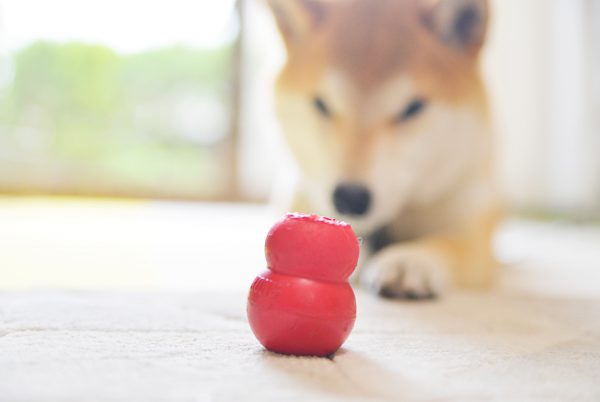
(81, 118)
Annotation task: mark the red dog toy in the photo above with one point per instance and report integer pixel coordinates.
(303, 304)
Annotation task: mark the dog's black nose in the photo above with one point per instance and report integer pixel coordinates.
(351, 199)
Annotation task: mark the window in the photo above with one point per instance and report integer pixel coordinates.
(117, 98)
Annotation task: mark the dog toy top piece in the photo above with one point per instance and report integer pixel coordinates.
(303, 304)
(312, 247)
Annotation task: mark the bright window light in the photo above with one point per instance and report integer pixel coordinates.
(126, 26)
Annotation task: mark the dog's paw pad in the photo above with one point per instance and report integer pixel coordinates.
(405, 273)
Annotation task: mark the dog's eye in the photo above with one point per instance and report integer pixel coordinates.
(321, 106)
(413, 109)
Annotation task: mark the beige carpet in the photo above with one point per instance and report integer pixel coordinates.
(536, 337)
(505, 346)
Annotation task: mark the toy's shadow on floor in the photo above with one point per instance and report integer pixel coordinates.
(346, 374)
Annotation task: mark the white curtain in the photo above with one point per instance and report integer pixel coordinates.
(542, 65)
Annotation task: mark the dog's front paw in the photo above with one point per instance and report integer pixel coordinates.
(405, 272)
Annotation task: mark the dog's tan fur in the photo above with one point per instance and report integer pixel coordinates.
(435, 207)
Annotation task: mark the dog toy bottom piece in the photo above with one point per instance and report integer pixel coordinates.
(298, 316)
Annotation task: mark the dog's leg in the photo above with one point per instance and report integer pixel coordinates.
(406, 270)
(423, 268)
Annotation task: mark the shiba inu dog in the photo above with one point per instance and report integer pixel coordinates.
(383, 107)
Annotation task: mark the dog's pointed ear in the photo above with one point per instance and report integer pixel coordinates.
(460, 24)
(297, 18)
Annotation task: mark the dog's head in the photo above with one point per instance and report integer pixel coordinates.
(381, 100)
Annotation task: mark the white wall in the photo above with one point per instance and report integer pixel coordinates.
(262, 152)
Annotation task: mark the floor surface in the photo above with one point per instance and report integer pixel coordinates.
(146, 302)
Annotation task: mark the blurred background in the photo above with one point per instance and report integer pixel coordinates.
(138, 146)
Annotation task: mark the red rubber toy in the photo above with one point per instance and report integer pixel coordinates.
(303, 304)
